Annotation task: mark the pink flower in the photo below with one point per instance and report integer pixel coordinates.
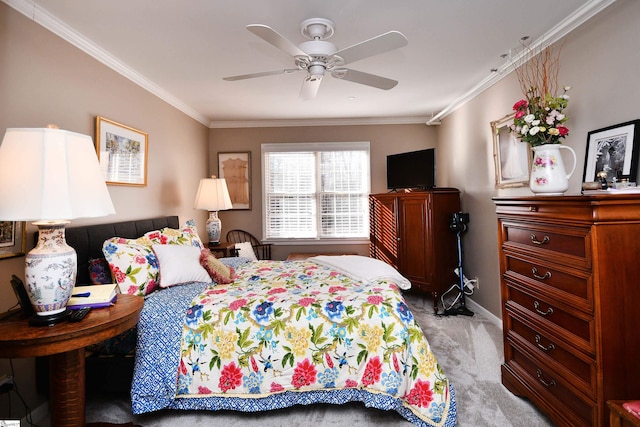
(334, 289)
(237, 304)
(139, 259)
(304, 374)
(375, 299)
(203, 390)
(218, 291)
(421, 395)
(372, 371)
(351, 383)
(563, 130)
(520, 114)
(277, 291)
(306, 302)
(230, 377)
(254, 364)
(275, 387)
(520, 105)
(119, 274)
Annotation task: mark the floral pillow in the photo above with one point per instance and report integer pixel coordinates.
(219, 272)
(185, 235)
(134, 266)
(99, 272)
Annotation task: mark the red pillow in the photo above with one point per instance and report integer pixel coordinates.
(219, 272)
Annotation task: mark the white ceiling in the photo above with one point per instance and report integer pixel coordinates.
(181, 50)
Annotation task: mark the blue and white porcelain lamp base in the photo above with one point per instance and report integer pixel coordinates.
(50, 272)
(214, 227)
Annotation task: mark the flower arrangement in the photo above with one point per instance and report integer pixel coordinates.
(539, 117)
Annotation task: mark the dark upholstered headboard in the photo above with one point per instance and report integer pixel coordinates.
(87, 240)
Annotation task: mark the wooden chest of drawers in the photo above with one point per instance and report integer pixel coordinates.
(570, 280)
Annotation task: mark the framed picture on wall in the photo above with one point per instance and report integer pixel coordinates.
(122, 151)
(613, 150)
(512, 157)
(12, 238)
(235, 168)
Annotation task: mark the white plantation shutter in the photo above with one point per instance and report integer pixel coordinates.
(316, 191)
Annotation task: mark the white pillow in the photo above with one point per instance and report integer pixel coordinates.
(246, 250)
(179, 264)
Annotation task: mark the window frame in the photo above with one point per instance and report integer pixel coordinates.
(314, 147)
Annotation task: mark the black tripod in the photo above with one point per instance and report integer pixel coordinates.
(458, 225)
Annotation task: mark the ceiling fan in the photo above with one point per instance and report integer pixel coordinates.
(317, 56)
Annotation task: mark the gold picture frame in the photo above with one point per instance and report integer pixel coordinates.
(512, 157)
(12, 238)
(122, 151)
(235, 168)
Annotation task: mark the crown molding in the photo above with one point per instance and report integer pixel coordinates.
(360, 121)
(42, 17)
(580, 16)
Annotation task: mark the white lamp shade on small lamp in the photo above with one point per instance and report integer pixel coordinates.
(213, 196)
(50, 176)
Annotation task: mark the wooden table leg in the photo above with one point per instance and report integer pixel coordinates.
(67, 389)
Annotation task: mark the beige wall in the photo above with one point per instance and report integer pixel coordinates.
(384, 140)
(45, 80)
(600, 60)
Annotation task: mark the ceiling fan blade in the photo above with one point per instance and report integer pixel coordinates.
(364, 78)
(374, 46)
(272, 37)
(262, 74)
(310, 87)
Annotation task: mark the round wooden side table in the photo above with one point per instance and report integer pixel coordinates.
(65, 343)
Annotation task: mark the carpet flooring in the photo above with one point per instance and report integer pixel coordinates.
(469, 350)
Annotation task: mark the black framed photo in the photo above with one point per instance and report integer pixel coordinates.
(614, 150)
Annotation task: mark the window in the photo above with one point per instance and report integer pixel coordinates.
(316, 191)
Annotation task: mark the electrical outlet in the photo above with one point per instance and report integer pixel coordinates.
(476, 282)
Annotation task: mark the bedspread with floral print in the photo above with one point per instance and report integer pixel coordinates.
(298, 327)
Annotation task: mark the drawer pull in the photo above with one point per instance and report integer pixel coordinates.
(547, 348)
(535, 240)
(544, 382)
(546, 276)
(536, 306)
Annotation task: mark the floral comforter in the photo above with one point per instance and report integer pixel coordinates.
(287, 333)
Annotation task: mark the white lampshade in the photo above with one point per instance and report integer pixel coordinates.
(213, 195)
(50, 174)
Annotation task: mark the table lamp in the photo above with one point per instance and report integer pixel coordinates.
(213, 196)
(50, 176)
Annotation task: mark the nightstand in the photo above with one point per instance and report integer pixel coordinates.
(227, 249)
(65, 343)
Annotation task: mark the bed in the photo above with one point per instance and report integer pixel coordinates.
(284, 333)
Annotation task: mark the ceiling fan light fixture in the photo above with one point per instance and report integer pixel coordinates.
(316, 71)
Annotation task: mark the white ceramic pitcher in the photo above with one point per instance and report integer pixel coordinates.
(548, 174)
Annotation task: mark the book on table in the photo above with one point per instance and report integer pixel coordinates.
(92, 296)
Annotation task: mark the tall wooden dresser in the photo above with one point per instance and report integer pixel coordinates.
(570, 284)
(411, 232)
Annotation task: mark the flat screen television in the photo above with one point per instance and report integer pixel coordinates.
(415, 169)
